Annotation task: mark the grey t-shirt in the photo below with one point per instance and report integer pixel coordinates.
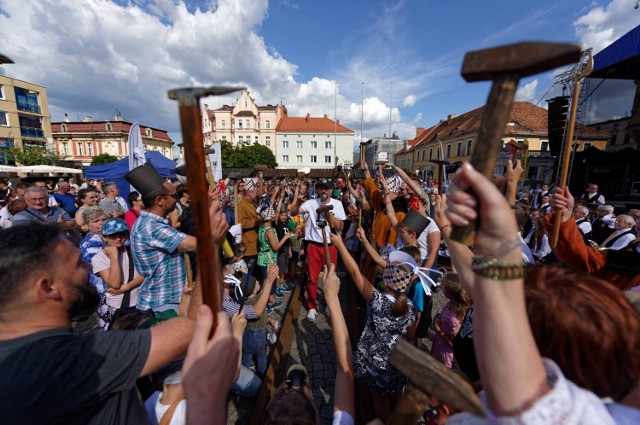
(56, 377)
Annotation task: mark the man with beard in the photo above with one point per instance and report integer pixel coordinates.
(313, 236)
(49, 375)
(156, 246)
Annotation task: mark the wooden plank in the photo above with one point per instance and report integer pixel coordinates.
(279, 357)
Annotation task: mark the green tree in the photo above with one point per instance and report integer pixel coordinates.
(246, 156)
(32, 155)
(102, 159)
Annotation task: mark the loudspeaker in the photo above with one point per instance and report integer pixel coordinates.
(556, 122)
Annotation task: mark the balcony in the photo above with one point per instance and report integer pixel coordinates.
(32, 132)
(26, 107)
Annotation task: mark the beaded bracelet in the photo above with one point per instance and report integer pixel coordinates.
(503, 271)
(483, 261)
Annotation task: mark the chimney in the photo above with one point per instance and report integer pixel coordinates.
(450, 117)
(338, 122)
(325, 116)
(419, 131)
(87, 118)
(307, 118)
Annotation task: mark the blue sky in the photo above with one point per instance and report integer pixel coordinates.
(99, 56)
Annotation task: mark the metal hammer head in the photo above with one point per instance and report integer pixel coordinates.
(324, 209)
(189, 96)
(525, 58)
(368, 142)
(322, 223)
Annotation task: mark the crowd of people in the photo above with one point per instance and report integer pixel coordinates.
(93, 280)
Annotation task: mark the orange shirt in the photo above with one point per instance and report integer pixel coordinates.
(382, 229)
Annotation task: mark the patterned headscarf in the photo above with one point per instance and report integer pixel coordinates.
(398, 278)
(267, 214)
(249, 183)
(394, 183)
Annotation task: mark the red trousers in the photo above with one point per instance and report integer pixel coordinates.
(315, 262)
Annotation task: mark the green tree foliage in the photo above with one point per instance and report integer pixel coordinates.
(32, 155)
(102, 159)
(246, 156)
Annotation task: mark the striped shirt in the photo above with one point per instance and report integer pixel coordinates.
(231, 307)
(154, 245)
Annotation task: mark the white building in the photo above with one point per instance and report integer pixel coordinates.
(313, 142)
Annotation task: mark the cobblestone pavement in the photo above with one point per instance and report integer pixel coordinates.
(312, 347)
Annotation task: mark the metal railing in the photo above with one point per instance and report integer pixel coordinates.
(23, 106)
(32, 132)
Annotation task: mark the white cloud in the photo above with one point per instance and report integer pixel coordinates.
(410, 100)
(527, 92)
(602, 25)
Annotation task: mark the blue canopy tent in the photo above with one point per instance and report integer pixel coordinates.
(621, 59)
(115, 171)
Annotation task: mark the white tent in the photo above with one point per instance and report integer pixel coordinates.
(48, 169)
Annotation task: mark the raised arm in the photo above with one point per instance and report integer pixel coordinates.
(344, 393)
(411, 183)
(364, 286)
(498, 293)
(362, 236)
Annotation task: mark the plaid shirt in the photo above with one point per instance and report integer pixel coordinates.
(111, 206)
(155, 255)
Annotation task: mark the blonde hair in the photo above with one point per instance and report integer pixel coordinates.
(456, 294)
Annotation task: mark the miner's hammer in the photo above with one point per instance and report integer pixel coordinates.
(504, 65)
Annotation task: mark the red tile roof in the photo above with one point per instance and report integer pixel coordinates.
(310, 125)
(525, 117)
(101, 127)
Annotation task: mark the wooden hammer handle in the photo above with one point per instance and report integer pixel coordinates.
(489, 141)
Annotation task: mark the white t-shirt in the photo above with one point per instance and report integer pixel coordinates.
(311, 230)
(100, 262)
(179, 415)
(422, 239)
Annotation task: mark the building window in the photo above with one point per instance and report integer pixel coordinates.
(267, 124)
(240, 139)
(285, 144)
(64, 128)
(256, 140)
(164, 151)
(149, 133)
(245, 104)
(299, 144)
(532, 173)
(327, 145)
(4, 119)
(448, 150)
(587, 146)
(298, 158)
(224, 137)
(90, 148)
(459, 149)
(285, 158)
(430, 154)
(327, 159)
(1, 92)
(109, 127)
(65, 149)
(267, 141)
(469, 144)
(314, 159)
(314, 144)
(626, 140)
(80, 149)
(544, 146)
(247, 124)
(223, 124)
(239, 123)
(612, 140)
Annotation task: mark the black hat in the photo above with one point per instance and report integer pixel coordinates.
(323, 183)
(145, 179)
(415, 221)
(248, 283)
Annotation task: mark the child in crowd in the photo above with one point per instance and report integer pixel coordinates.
(448, 322)
(237, 262)
(114, 265)
(390, 317)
